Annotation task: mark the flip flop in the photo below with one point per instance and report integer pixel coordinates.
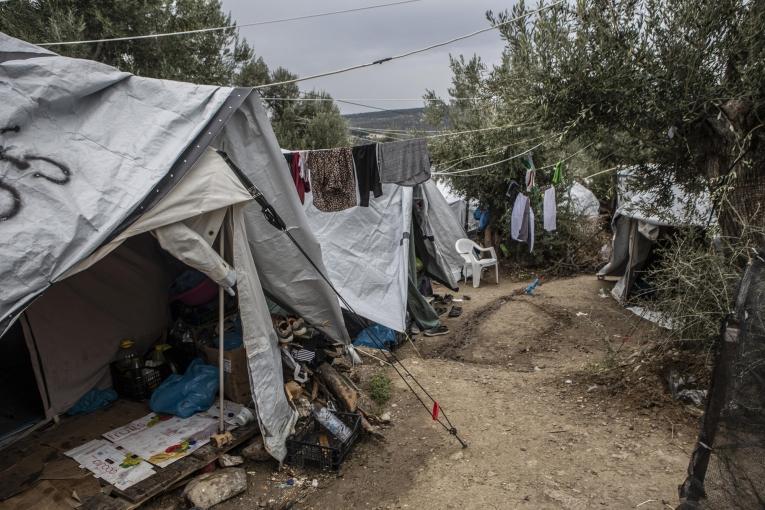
(456, 311)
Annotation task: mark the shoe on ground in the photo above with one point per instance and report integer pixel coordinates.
(437, 331)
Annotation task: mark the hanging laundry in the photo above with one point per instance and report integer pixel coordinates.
(531, 171)
(557, 176)
(303, 171)
(512, 192)
(522, 221)
(530, 239)
(367, 172)
(549, 210)
(404, 163)
(333, 182)
(295, 161)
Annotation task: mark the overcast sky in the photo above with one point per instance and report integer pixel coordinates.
(316, 45)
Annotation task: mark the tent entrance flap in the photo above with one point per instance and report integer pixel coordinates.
(21, 401)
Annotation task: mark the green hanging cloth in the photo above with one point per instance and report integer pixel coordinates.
(557, 176)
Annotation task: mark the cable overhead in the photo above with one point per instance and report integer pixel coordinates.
(371, 99)
(229, 27)
(412, 52)
(490, 164)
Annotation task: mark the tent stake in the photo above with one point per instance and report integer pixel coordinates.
(221, 311)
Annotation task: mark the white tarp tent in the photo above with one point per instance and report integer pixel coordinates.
(93, 162)
(638, 221)
(365, 250)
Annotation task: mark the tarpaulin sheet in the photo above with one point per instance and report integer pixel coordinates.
(66, 182)
(445, 228)
(365, 251)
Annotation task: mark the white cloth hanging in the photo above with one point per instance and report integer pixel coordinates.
(549, 210)
(517, 217)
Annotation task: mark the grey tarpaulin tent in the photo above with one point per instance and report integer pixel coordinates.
(366, 249)
(639, 220)
(95, 162)
(445, 231)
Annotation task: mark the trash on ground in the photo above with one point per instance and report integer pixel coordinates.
(209, 489)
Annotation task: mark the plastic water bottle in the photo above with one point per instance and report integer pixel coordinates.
(332, 423)
(127, 358)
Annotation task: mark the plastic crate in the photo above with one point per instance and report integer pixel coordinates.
(136, 384)
(305, 448)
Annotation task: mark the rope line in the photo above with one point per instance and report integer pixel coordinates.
(228, 27)
(410, 53)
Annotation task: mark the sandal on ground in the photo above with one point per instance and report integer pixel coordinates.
(440, 310)
(437, 331)
(283, 331)
(297, 326)
(456, 311)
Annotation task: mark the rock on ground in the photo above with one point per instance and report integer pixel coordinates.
(210, 489)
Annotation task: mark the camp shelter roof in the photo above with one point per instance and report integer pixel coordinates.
(87, 149)
(682, 209)
(79, 156)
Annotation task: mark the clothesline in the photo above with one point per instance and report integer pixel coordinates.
(227, 27)
(393, 99)
(492, 164)
(451, 133)
(411, 52)
(456, 162)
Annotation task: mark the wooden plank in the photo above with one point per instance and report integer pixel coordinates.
(180, 469)
(104, 502)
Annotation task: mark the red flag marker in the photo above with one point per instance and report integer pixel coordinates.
(435, 411)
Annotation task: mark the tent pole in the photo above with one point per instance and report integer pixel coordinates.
(221, 311)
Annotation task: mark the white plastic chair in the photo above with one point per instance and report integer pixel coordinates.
(466, 248)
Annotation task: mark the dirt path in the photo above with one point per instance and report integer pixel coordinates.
(513, 376)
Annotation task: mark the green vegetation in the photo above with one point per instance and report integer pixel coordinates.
(380, 389)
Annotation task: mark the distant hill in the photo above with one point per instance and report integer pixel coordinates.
(410, 119)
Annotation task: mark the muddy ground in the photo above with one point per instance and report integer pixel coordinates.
(521, 377)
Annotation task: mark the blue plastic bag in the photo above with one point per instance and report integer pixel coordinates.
(93, 400)
(184, 395)
(376, 336)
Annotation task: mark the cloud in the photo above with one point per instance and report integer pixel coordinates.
(316, 45)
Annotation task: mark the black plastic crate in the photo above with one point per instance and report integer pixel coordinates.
(305, 448)
(136, 384)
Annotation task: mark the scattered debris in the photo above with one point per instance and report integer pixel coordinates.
(385, 417)
(210, 489)
(256, 451)
(227, 460)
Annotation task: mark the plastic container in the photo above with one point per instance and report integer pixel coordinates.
(332, 423)
(127, 357)
(130, 378)
(305, 447)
